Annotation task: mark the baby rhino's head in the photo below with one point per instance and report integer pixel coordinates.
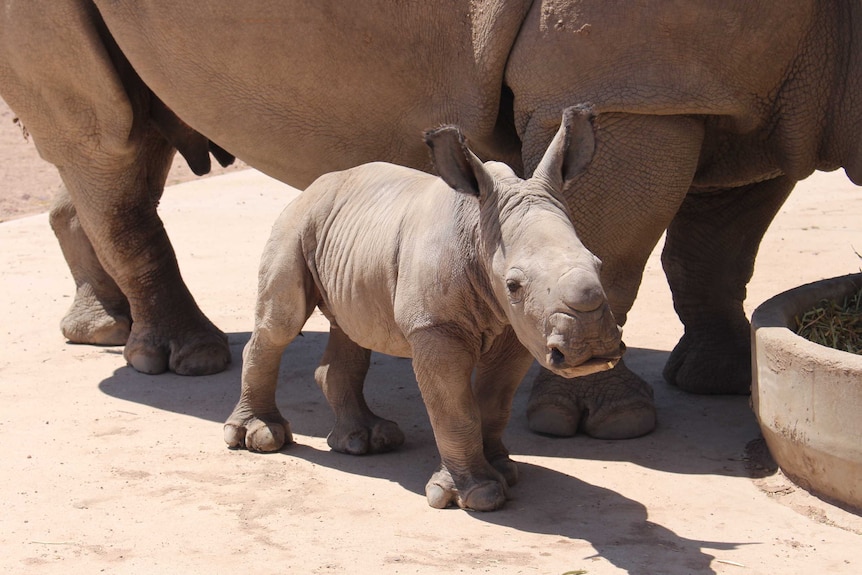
(542, 275)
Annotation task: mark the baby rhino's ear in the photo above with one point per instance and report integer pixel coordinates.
(454, 161)
(572, 149)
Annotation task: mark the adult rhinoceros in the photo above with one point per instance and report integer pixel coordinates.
(708, 113)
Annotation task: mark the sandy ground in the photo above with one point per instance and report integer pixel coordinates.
(108, 470)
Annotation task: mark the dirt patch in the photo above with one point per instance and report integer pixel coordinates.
(758, 460)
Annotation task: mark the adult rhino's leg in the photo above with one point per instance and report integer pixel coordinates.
(88, 114)
(100, 311)
(708, 259)
(639, 175)
(115, 201)
(341, 376)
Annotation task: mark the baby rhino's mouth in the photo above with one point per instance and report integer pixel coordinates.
(557, 362)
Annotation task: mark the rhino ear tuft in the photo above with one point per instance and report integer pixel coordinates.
(453, 160)
(572, 148)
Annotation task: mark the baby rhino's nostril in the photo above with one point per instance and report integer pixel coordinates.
(557, 357)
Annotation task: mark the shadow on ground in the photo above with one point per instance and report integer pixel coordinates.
(550, 502)
(696, 435)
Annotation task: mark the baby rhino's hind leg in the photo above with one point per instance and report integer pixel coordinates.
(286, 298)
(341, 376)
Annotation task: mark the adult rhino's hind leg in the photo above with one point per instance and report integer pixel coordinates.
(116, 205)
(100, 312)
(89, 115)
(708, 259)
(341, 376)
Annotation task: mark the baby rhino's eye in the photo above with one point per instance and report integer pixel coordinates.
(515, 281)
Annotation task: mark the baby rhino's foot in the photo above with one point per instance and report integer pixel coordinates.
(481, 495)
(373, 436)
(257, 434)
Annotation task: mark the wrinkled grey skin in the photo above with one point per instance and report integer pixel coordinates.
(708, 113)
(495, 278)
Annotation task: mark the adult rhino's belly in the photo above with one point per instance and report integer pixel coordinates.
(729, 160)
(273, 103)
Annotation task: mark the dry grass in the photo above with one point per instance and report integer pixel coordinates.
(833, 324)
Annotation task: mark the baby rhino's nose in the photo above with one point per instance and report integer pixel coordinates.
(555, 345)
(580, 290)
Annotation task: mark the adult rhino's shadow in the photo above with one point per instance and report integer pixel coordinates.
(695, 435)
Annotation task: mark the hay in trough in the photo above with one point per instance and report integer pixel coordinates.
(833, 324)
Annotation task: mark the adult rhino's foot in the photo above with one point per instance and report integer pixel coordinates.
(498, 456)
(376, 435)
(713, 362)
(96, 321)
(507, 468)
(612, 404)
(479, 495)
(264, 434)
(201, 352)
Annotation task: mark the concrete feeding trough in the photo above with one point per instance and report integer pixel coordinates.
(808, 397)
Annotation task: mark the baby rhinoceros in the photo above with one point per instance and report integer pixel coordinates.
(474, 273)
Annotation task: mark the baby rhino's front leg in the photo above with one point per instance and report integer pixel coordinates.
(443, 368)
(341, 376)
